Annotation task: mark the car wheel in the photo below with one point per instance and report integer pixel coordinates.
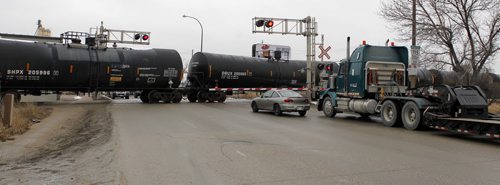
(390, 114)
(254, 107)
(302, 113)
(277, 110)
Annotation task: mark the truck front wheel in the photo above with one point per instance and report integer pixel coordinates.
(328, 108)
(390, 114)
(411, 116)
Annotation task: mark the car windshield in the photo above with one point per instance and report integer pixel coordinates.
(289, 94)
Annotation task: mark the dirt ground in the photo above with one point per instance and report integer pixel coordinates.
(494, 108)
(72, 146)
(25, 115)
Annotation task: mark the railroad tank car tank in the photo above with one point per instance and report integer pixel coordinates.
(209, 70)
(32, 67)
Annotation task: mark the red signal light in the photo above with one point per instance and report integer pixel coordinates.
(364, 42)
(269, 24)
(145, 37)
(329, 67)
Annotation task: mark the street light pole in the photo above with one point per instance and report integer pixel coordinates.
(414, 24)
(201, 26)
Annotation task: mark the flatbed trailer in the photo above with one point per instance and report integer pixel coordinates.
(484, 127)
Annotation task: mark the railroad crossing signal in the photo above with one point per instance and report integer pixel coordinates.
(307, 27)
(262, 22)
(105, 35)
(324, 52)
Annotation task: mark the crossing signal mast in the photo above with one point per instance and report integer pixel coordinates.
(307, 27)
(103, 36)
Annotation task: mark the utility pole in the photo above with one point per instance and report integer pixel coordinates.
(415, 50)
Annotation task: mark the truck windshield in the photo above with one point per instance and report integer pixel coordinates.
(290, 94)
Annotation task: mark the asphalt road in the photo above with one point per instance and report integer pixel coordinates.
(190, 143)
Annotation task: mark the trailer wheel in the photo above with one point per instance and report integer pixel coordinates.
(411, 116)
(390, 114)
(328, 108)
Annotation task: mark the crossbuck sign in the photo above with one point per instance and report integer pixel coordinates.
(324, 52)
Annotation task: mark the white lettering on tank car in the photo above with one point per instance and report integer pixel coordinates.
(170, 73)
(229, 75)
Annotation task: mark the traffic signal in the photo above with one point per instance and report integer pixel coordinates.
(259, 23)
(321, 66)
(137, 36)
(329, 68)
(269, 24)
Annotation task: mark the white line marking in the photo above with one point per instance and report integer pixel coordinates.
(241, 153)
(190, 124)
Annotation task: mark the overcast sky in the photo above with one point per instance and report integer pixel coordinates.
(227, 23)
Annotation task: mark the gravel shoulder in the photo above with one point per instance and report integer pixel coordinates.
(74, 145)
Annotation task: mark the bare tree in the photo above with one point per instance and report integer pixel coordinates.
(463, 34)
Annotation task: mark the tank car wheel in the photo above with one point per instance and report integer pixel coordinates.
(201, 100)
(165, 97)
(222, 98)
(192, 97)
(177, 97)
(328, 108)
(390, 114)
(144, 98)
(210, 99)
(277, 110)
(153, 96)
(202, 97)
(411, 116)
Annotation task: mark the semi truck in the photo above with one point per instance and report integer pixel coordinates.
(377, 80)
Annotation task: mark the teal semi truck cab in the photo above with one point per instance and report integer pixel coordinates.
(376, 80)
